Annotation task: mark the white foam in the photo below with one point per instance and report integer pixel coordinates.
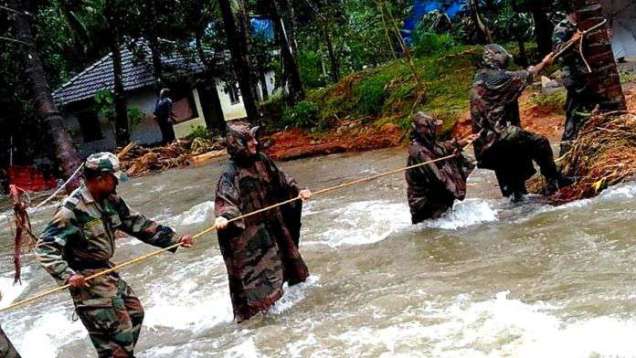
(49, 331)
(9, 291)
(464, 213)
(295, 294)
(246, 349)
(365, 222)
(197, 214)
(183, 304)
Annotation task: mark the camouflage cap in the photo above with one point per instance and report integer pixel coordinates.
(106, 162)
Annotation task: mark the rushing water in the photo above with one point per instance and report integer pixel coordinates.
(490, 279)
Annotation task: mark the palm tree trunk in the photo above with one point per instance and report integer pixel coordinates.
(122, 131)
(209, 94)
(65, 152)
(238, 48)
(296, 91)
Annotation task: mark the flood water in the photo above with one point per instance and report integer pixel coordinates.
(490, 279)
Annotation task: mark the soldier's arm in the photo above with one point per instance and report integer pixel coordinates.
(560, 37)
(144, 229)
(55, 237)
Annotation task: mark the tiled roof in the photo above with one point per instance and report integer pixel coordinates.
(137, 73)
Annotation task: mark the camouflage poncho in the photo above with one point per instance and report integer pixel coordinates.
(494, 105)
(432, 189)
(261, 251)
(7, 350)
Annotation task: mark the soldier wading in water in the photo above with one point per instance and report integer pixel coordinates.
(260, 251)
(503, 145)
(433, 188)
(80, 241)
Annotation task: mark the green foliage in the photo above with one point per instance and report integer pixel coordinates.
(135, 116)
(198, 131)
(371, 95)
(427, 43)
(105, 104)
(303, 115)
(553, 102)
(310, 63)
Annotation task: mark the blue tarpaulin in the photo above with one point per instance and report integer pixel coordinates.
(423, 7)
(263, 27)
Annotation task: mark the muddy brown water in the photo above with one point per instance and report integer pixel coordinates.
(490, 279)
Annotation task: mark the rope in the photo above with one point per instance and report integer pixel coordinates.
(580, 41)
(213, 228)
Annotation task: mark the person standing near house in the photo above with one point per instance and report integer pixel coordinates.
(260, 251)
(164, 116)
(80, 241)
(581, 100)
(7, 350)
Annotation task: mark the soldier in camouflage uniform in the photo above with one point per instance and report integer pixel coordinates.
(502, 145)
(432, 189)
(581, 100)
(261, 251)
(7, 350)
(80, 241)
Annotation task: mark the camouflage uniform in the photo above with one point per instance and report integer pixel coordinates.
(581, 100)
(7, 350)
(502, 145)
(261, 251)
(432, 189)
(81, 240)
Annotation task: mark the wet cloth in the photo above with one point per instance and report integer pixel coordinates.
(432, 189)
(503, 145)
(261, 251)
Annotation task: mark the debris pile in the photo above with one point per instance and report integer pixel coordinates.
(603, 155)
(140, 160)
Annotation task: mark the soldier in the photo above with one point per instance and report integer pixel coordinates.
(261, 251)
(502, 145)
(432, 189)
(80, 241)
(581, 100)
(7, 350)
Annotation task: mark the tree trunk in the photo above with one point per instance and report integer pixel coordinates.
(296, 91)
(153, 42)
(209, 93)
(333, 59)
(67, 156)
(543, 32)
(238, 48)
(122, 134)
(292, 25)
(481, 26)
(246, 28)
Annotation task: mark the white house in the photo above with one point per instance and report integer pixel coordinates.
(93, 132)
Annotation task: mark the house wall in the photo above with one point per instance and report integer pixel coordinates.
(147, 131)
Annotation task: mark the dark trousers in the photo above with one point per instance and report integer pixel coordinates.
(578, 107)
(167, 131)
(512, 158)
(7, 350)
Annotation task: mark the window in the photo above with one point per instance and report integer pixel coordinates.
(89, 126)
(233, 91)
